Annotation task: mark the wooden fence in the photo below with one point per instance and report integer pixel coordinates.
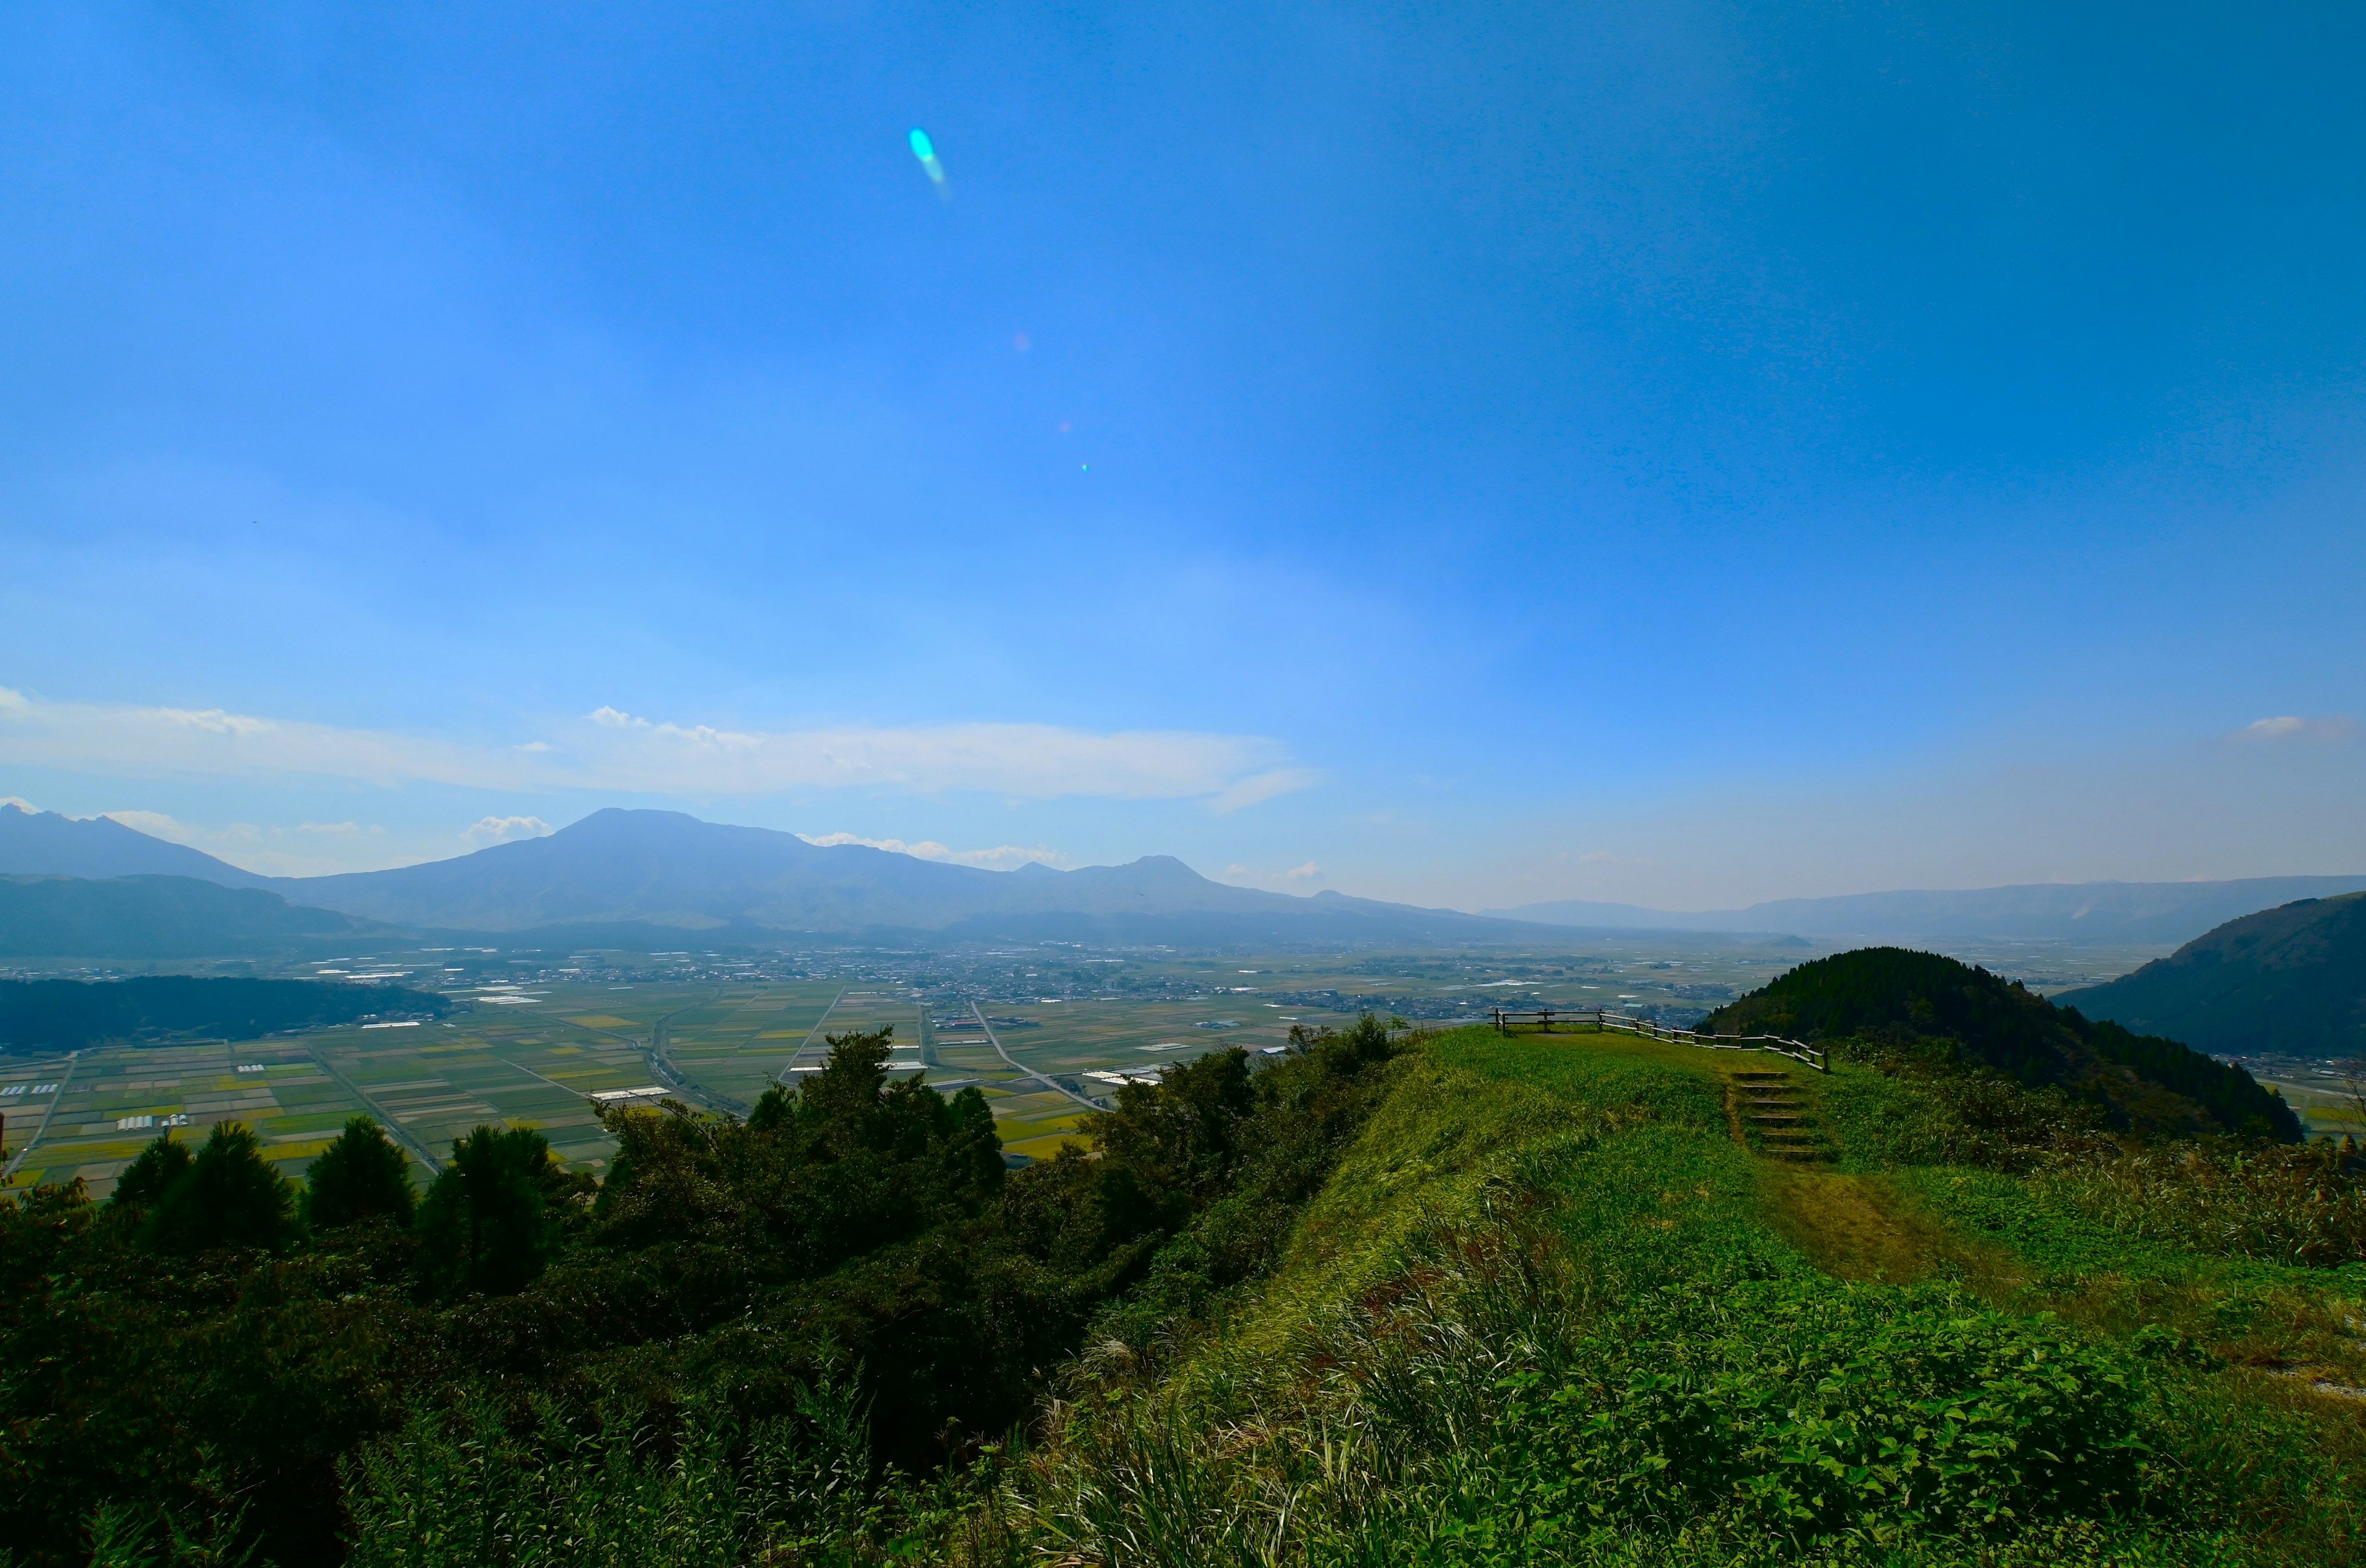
(1542, 1020)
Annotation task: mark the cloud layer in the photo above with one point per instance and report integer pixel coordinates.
(615, 751)
(2292, 727)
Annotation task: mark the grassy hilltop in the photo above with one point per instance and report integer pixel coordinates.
(1895, 999)
(1446, 1299)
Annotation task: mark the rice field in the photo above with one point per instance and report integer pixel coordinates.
(531, 1045)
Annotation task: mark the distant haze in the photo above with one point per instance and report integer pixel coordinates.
(2129, 912)
(660, 869)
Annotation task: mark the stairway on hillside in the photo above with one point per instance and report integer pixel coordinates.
(1772, 1109)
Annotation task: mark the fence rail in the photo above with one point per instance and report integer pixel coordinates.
(1621, 1023)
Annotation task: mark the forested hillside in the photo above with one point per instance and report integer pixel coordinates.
(1893, 997)
(2289, 980)
(156, 918)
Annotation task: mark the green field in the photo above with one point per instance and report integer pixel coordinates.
(531, 1042)
(534, 1059)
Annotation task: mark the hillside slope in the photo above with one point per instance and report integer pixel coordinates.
(1549, 1310)
(46, 843)
(156, 918)
(1894, 994)
(2291, 980)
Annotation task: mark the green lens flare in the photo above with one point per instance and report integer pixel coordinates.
(922, 148)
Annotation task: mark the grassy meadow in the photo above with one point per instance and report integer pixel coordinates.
(1551, 1308)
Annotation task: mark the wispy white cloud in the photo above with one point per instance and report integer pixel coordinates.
(1310, 872)
(308, 849)
(1264, 786)
(507, 830)
(613, 750)
(1002, 857)
(2292, 727)
(1032, 761)
(18, 801)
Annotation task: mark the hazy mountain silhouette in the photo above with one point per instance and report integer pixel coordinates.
(672, 869)
(45, 843)
(2082, 911)
(157, 917)
(2291, 979)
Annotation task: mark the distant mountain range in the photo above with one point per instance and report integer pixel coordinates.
(2132, 912)
(45, 843)
(629, 873)
(2290, 981)
(662, 869)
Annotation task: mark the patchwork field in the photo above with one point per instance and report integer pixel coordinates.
(504, 1060)
(733, 1041)
(531, 1044)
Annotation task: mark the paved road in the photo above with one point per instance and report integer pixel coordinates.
(65, 1083)
(401, 1134)
(782, 1077)
(661, 1066)
(1029, 1072)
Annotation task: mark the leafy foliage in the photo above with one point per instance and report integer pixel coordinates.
(844, 1289)
(1462, 1299)
(1894, 997)
(487, 1225)
(225, 1195)
(362, 1176)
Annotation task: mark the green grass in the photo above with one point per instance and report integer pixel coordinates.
(1549, 1309)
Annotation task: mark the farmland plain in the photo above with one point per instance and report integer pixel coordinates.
(1037, 1029)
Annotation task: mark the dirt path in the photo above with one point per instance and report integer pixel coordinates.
(1851, 1226)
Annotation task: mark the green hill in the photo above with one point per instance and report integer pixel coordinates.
(1446, 1301)
(2289, 980)
(156, 918)
(1895, 995)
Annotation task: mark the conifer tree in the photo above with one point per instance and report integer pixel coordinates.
(362, 1176)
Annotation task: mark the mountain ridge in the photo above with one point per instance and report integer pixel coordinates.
(620, 868)
(50, 843)
(2133, 912)
(2291, 979)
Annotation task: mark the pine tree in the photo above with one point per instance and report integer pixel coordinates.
(362, 1176)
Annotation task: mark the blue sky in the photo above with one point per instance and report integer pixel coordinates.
(1685, 454)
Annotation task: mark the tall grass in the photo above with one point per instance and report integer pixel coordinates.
(471, 1487)
(2300, 1206)
(1534, 1316)
(1482, 1409)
